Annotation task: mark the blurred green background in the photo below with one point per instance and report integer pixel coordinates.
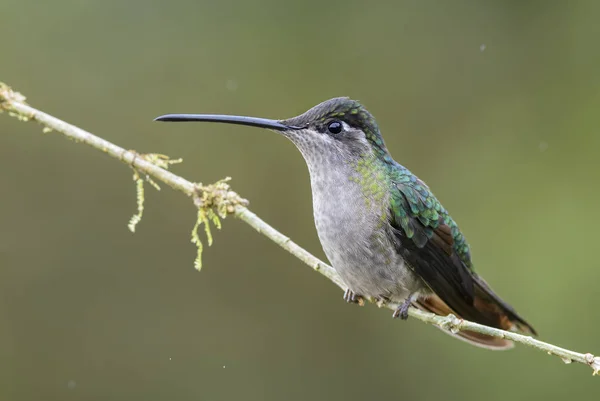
(494, 104)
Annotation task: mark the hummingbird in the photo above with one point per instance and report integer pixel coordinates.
(383, 230)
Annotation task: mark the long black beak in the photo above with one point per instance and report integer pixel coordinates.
(219, 118)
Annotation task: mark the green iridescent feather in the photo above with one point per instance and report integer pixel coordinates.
(419, 213)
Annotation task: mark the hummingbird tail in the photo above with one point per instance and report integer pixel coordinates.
(435, 305)
(491, 305)
(491, 309)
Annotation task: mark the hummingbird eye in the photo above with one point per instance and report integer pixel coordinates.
(335, 127)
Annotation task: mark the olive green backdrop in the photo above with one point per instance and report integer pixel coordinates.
(494, 104)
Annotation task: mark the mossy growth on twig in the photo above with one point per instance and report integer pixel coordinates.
(159, 160)
(7, 97)
(214, 201)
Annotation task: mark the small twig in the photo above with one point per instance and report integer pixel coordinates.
(224, 201)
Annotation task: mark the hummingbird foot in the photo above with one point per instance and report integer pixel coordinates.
(402, 310)
(351, 297)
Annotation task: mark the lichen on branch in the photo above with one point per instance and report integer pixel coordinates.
(213, 201)
(158, 160)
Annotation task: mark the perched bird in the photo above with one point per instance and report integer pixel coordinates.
(381, 227)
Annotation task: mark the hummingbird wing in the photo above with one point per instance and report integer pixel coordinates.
(433, 246)
(430, 241)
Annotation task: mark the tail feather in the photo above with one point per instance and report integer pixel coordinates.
(491, 309)
(488, 302)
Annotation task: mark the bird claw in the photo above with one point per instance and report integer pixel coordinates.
(402, 310)
(351, 297)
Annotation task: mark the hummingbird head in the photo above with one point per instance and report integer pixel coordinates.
(339, 123)
(339, 126)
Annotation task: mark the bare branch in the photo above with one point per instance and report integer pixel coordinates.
(223, 201)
